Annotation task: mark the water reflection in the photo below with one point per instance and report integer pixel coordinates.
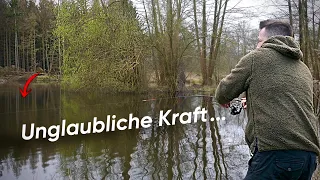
(202, 150)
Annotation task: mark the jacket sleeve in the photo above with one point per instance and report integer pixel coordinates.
(236, 82)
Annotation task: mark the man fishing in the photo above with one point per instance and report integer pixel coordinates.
(282, 129)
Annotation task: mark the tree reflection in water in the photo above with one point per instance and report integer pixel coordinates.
(202, 150)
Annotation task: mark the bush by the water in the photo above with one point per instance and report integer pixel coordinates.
(104, 46)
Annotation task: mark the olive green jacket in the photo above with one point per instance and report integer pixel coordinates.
(278, 87)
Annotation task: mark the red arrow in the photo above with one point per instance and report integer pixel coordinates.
(25, 90)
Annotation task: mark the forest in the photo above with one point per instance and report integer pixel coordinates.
(127, 48)
(121, 45)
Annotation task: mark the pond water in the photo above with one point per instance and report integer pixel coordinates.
(201, 150)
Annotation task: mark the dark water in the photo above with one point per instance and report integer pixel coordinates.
(202, 150)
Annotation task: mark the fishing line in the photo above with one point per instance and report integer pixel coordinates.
(235, 106)
(49, 109)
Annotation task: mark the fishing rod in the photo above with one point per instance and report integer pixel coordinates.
(156, 99)
(235, 106)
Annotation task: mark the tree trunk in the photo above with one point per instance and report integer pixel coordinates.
(215, 41)
(301, 30)
(203, 59)
(306, 33)
(216, 49)
(23, 52)
(199, 49)
(27, 60)
(196, 25)
(318, 37)
(49, 65)
(43, 53)
(159, 16)
(170, 72)
(152, 50)
(290, 13)
(34, 52)
(5, 51)
(16, 52)
(9, 50)
(16, 55)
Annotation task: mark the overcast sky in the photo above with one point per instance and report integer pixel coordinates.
(258, 10)
(261, 9)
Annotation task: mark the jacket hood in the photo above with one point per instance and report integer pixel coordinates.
(285, 45)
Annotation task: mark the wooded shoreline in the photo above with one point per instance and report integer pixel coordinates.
(114, 45)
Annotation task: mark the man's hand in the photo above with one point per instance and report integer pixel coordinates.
(244, 103)
(226, 105)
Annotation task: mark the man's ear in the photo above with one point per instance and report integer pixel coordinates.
(243, 95)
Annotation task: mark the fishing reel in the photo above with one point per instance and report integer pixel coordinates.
(236, 105)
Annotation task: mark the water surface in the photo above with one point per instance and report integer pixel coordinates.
(202, 150)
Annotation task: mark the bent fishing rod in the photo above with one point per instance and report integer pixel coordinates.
(235, 106)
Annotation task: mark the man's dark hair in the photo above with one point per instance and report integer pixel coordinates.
(276, 27)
